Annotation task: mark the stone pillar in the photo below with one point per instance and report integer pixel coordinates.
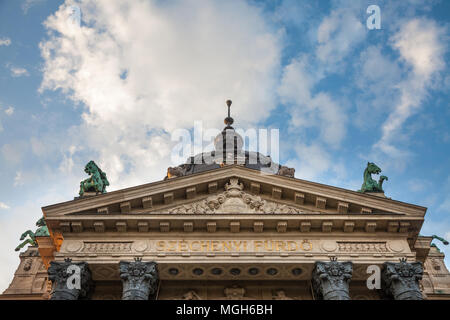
(139, 279)
(401, 280)
(70, 280)
(330, 279)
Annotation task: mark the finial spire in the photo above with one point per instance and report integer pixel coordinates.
(229, 120)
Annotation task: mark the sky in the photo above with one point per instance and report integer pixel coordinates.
(115, 86)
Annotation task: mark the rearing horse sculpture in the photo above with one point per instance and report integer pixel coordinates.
(369, 184)
(42, 231)
(97, 182)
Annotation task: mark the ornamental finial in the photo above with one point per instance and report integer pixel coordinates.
(229, 120)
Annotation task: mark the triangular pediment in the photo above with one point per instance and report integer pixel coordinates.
(233, 189)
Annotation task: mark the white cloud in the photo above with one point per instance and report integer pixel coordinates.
(27, 4)
(18, 179)
(181, 60)
(339, 34)
(5, 42)
(19, 72)
(9, 111)
(319, 111)
(421, 45)
(3, 205)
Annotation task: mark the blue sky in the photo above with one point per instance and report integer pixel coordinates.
(115, 87)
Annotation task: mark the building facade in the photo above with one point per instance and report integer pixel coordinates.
(231, 224)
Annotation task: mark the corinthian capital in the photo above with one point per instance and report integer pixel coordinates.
(70, 280)
(401, 280)
(139, 279)
(331, 279)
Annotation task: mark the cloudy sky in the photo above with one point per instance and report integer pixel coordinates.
(114, 87)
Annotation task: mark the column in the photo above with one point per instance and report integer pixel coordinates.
(401, 280)
(139, 279)
(70, 280)
(330, 279)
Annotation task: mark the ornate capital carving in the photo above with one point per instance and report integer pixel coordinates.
(401, 280)
(139, 279)
(331, 279)
(70, 280)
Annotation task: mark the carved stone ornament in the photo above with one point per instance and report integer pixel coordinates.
(191, 295)
(139, 279)
(401, 280)
(233, 200)
(234, 293)
(286, 171)
(70, 280)
(331, 279)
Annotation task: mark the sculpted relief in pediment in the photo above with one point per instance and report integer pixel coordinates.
(233, 200)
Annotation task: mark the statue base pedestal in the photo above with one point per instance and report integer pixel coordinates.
(377, 194)
(87, 195)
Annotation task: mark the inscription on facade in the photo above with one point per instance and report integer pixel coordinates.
(233, 245)
(362, 247)
(107, 247)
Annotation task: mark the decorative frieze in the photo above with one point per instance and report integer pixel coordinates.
(231, 201)
(401, 280)
(147, 202)
(366, 210)
(139, 279)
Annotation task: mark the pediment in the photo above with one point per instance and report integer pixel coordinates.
(232, 189)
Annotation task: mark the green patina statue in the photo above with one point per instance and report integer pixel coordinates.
(445, 242)
(42, 231)
(97, 181)
(370, 185)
